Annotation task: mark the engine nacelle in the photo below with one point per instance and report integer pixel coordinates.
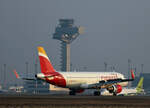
(115, 89)
(85, 86)
(40, 75)
(80, 90)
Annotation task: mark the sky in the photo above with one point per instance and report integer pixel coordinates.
(114, 31)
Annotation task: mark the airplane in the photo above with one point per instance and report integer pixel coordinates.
(138, 90)
(77, 82)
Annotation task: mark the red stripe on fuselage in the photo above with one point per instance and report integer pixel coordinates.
(57, 80)
(53, 77)
(47, 69)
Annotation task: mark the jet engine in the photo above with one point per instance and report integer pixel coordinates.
(40, 75)
(115, 89)
(74, 91)
(80, 90)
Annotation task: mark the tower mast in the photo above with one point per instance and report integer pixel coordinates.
(66, 32)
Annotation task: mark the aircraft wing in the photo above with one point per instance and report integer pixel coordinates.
(29, 79)
(18, 77)
(107, 83)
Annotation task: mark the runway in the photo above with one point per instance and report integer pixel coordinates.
(65, 101)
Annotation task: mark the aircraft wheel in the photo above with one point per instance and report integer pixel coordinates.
(97, 93)
(121, 95)
(72, 92)
(114, 94)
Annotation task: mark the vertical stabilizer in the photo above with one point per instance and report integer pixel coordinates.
(140, 84)
(46, 66)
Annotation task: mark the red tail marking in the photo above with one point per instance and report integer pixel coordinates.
(16, 74)
(132, 74)
(46, 66)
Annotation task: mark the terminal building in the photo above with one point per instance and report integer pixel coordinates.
(36, 87)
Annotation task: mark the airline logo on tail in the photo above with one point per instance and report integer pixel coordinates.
(48, 72)
(16, 74)
(139, 87)
(132, 74)
(46, 66)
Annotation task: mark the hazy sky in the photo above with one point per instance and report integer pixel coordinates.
(115, 30)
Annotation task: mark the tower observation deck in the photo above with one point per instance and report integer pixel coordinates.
(66, 32)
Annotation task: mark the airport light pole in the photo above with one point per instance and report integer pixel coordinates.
(105, 64)
(36, 71)
(4, 75)
(27, 67)
(129, 69)
(142, 68)
(1, 77)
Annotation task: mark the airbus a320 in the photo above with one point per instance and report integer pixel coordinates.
(77, 82)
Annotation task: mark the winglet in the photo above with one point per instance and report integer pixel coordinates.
(132, 74)
(16, 74)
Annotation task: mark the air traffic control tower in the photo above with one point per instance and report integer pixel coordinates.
(66, 32)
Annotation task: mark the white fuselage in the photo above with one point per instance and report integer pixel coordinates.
(83, 79)
(125, 91)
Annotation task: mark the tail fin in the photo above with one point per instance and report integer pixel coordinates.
(46, 66)
(132, 74)
(140, 84)
(16, 74)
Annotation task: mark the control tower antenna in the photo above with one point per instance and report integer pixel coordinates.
(66, 32)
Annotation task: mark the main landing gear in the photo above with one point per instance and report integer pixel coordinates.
(97, 93)
(114, 94)
(72, 92)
